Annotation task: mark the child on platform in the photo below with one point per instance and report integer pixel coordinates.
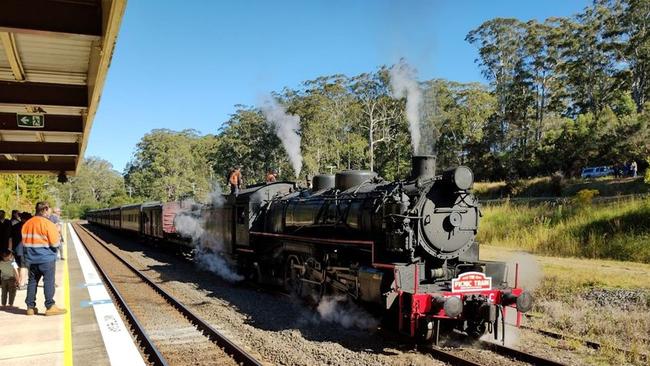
(9, 277)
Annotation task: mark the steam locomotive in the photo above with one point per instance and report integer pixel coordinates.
(405, 249)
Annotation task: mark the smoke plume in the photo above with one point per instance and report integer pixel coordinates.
(286, 127)
(339, 310)
(530, 271)
(191, 224)
(404, 84)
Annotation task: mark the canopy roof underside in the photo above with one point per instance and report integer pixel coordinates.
(54, 57)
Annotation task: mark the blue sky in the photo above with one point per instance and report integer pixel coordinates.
(185, 64)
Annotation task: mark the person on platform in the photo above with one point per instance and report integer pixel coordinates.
(55, 217)
(19, 252)
(10, 278)
(41, 240)
(633, 168)
(5, 232)
(271, 176)
(16, 237)
(235, 181)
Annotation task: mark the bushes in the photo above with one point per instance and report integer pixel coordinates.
(558, 186)
(585, 196)
(77, 210)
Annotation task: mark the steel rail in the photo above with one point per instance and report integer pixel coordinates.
(591, 344)
(147, 344)
(448, 357)
(519, 355)
(238, 354)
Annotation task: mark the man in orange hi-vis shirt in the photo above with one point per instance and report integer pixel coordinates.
(40, 242)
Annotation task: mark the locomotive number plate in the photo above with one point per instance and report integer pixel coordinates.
(471, 281)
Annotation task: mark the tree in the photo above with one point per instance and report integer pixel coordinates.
(589, 63)
(246, 140)
(463, 112)
(629, 36)
(377, 112)
(169, 165)
(22, 191)
(95, 185)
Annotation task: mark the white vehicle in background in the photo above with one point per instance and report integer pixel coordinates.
(597, 171)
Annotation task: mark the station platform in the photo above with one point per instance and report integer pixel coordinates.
(91, 333)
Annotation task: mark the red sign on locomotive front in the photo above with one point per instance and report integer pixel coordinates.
(471, 281)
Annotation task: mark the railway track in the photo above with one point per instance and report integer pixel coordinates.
(168, 332)
(591, 344)
(519, 355)
(451, 357)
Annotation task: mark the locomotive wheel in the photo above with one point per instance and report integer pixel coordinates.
(292, 274)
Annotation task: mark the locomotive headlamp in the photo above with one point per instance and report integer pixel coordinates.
(524, 301)
(453, 306)
(463, 177)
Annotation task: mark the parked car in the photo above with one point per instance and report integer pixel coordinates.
(596, 171)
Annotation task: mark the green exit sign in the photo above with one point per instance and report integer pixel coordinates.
(31, 120)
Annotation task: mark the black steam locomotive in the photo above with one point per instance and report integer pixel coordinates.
(406, 249)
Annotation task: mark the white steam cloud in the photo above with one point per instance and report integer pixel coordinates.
(340, 310)
(530, 277)
(286, 127)
(404, 84)
(191, 224)
(530, 271)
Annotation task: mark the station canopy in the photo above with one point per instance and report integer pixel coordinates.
(54, 57)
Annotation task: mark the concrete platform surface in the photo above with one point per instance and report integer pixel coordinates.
(73, 338)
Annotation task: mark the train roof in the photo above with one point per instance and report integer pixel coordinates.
(262, 192)
(134, 205)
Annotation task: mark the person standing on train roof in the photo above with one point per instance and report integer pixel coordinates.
(271, 176)
(235, 180)
(41, 239)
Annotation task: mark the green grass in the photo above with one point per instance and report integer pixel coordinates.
(546, 187)
(560, 285)
(617, 230)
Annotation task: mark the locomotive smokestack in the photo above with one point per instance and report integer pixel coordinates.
(423, 166)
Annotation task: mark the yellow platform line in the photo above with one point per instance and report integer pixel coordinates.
(67, 328)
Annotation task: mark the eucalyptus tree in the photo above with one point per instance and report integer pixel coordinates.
(628, 35)
(589, 62)
(378, 114)
(246, 140)
(169, 165)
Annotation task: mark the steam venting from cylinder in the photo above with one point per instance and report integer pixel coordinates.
(423, 167)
